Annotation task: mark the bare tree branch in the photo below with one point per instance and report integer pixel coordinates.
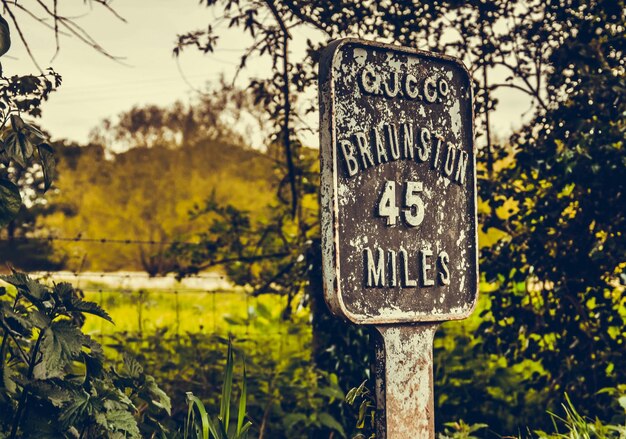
(59, 23)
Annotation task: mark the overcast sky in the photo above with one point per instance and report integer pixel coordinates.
(95, 87)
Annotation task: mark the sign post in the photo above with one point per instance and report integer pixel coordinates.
(398, 211)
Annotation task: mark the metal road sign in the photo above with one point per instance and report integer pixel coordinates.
(398, 190)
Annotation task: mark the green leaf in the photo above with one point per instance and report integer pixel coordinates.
(328, 421)
(65, 292)
(123, 420)
(195, 403)
(35, 133)
(18, 143)
(363, 408)
(263, 311)
(242, 402)
(25, 147)
(5, 36)
(132, 366)
(73, 303)
(39, 319)
(31, 288)
(54, 393)
(292, 419)
(91, 308)
(244, 430)
(17, 123)
(78, 407)
(228, 387)
(10, 202)
(62, 342)
(157, 396)
(13, 149)
(48, 163)
(331, 392)
(15, 321)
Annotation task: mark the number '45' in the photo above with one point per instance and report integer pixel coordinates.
(413, 211)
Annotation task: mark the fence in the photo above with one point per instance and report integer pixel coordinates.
(203, 303)
(139, 303)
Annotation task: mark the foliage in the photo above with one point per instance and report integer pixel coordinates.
(461, 430)
(560, 266)
(366, 420)
(465, 371)
(559, 305)
(199, 422)
(55, 382)
(578, 427)
(143, 193)
(223, 114)
(21, 143)
(287, 397)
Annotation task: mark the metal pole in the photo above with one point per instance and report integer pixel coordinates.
(403, 369)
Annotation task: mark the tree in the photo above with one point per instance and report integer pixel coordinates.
(27, 160)
(561, 265)
(144, 193)
(53, 381)
(223, 113)
(543, 47)
(23, 144)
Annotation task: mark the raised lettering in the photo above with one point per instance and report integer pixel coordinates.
(381, 152)
(461, 166)
(407, 140)
(387, 205)
(444, 89)
(448, 166)
(414, 214)
(392, 93)
(430, 90)
(375, 269)
(444, 274)
(348, 154)
(425, 265)
(369, 80)
(406, 281)
(393, 273)
(437, 149)
(424, 151)
(366, 154)
(410, 86)
(392, 141)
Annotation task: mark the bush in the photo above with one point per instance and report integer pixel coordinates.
(55, 380)
(287, 397)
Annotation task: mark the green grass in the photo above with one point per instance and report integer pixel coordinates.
(223, 312)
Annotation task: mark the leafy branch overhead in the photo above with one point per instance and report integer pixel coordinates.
(21, 143)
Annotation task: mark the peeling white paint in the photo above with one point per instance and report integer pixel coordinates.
(348, 109)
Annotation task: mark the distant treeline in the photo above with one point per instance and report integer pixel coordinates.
(173, 160)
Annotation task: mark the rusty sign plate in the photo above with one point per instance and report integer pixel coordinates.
(398, 190)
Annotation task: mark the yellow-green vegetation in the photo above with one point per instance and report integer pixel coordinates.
(146, 194)
(219, 312)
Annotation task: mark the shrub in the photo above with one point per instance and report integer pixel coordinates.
(54, 379)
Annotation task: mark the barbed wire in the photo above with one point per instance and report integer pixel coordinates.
(122, 241)
(144, 291)
(145, 276)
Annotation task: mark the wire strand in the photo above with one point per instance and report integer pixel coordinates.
(97, 240)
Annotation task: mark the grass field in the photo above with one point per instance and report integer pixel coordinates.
(214, 307)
